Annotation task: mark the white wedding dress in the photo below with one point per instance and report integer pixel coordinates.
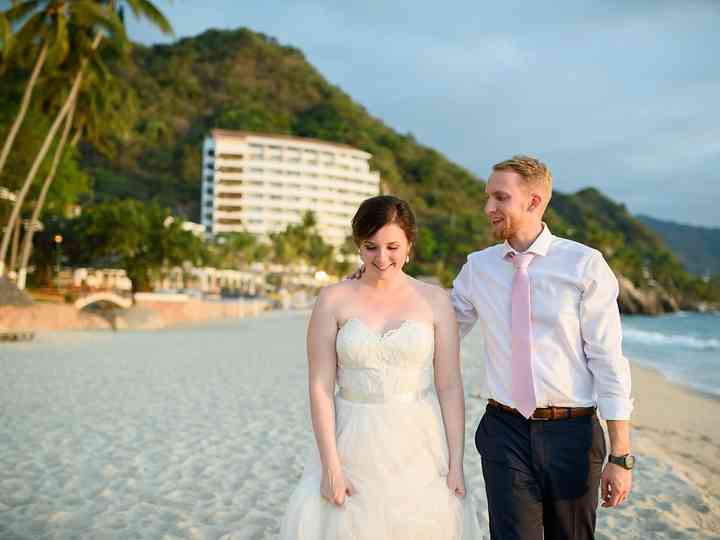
(392, 446)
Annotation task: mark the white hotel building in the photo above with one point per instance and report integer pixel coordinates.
(261, 183)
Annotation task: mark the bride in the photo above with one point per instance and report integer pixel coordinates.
(388, 463)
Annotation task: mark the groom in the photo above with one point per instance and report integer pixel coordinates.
(552, 338)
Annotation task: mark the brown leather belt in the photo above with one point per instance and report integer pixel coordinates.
(547, 413)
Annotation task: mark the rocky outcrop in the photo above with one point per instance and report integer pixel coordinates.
(10, 295)
(635, 301)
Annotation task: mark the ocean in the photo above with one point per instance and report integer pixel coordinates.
(683, 346)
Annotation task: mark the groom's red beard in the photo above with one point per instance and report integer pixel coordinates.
(504, 230)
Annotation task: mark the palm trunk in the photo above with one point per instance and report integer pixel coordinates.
(41, 156)
(15, 244)
(34, 220)
(76, 137)
(24, 104)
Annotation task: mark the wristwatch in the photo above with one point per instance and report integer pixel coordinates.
(626, 462)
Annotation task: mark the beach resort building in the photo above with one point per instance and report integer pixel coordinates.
(261, 183)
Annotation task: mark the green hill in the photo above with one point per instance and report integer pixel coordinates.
(247, 81)
(243, 80)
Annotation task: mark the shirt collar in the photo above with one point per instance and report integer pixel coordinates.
(539, 247)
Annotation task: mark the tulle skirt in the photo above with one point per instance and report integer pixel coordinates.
(395, 454)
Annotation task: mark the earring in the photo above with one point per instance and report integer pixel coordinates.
(407, 259)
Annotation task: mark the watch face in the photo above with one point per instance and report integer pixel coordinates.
(629, 462)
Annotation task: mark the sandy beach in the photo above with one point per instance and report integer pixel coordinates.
(201, 432)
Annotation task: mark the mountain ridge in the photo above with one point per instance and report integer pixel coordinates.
(697, 247)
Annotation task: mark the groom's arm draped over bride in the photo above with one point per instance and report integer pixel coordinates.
(548, 310)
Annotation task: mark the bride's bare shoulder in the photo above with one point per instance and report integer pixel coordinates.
(430, 291)
(337, 292)
(435, 297)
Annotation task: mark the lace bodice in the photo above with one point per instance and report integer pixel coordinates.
(395, 362)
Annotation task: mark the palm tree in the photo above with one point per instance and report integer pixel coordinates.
(46, 27)
(109, 20)
(91, 15)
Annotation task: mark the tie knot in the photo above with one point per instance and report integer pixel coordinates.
(522, 260)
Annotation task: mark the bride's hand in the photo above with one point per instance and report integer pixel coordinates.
(335, 487)
(456, 480)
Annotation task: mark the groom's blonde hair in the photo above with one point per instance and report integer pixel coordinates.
(535, 173)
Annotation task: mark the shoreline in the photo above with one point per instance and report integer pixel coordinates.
(676, 404)
(686, 386)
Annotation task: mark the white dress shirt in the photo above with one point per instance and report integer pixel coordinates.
(576, 335)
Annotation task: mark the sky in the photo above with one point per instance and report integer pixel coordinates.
(621, 95)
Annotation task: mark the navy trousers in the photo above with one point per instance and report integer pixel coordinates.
(542, 478)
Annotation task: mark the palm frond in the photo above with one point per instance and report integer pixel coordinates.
(35, 26)
(59, 41)
(146, 9)
(21, 9)
(92, 15)
(6, 38)
(99, 67)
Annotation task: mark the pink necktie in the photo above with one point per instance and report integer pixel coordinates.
(522, 390)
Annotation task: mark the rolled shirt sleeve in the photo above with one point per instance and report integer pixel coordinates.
(461, 299)
(602, 340)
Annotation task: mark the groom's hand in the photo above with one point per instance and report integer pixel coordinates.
(616, 483)
(357, 274)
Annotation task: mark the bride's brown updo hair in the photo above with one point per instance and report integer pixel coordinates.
(376, 212)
